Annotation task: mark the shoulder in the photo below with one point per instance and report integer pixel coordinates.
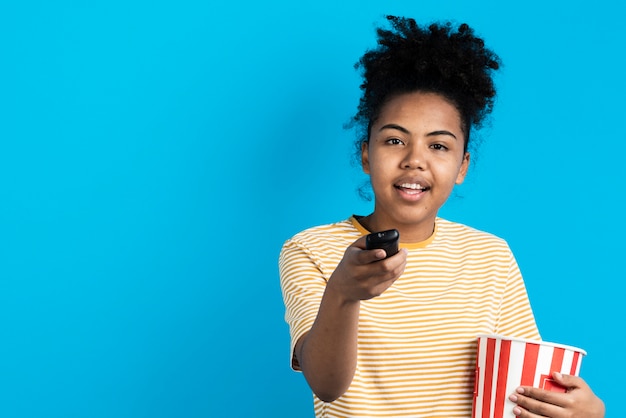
(323, 246)
(449, 232)
(338, 234)
(332, 229)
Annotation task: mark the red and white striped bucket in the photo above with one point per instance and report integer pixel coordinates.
(503, 364)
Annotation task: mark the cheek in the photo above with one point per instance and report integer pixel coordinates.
(449, 173)
(378, 174)
(378, 168)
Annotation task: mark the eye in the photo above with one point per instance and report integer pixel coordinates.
(394, 141)
(439, 147)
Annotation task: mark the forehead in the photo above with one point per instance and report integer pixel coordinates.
(421, 109)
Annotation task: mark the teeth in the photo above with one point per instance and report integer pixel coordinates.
(414, 186)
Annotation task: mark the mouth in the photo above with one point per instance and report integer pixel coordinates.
(411, 188)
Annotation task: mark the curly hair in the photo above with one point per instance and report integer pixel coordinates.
(435, 59)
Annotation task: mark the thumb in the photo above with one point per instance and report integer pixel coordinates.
(365, 257)
(359, 243)
(567, 380)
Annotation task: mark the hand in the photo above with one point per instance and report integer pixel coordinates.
(363, 274)
(578, 402)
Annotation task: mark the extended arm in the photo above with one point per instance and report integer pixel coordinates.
(327, 353)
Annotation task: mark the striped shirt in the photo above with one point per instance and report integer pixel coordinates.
(417, 341)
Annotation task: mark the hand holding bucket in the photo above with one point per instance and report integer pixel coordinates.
(504, 363)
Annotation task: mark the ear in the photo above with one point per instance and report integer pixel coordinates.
(463, 169)
(365, 159)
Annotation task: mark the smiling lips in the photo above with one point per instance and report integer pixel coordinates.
(411, 188)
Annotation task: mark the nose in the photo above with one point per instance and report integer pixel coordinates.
(414, 158)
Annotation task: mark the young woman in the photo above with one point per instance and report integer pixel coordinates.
(379, 336)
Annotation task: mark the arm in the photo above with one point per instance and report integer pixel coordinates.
(327, 353)
(578, 402)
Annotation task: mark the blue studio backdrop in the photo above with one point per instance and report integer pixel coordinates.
(155, 155)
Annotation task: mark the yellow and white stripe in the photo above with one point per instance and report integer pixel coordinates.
(417, 341)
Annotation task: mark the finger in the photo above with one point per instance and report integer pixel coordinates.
(370, 256)
(357, 254)
(391, 262)
(362, 255)
(528, 407)
(535, 398)
(522, 413)
(385, 272)
(396, 262)
(569, 381)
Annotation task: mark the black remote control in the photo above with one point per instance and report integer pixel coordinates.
(387, 240)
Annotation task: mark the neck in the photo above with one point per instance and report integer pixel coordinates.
(409, 232)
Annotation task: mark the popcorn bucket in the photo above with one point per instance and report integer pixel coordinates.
(503, 364)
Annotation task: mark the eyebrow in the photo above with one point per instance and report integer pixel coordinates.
(406, 131)
(394, 126)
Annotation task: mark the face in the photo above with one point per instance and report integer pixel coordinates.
(415, 156)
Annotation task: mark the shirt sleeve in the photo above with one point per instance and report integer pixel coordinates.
(515, 317)
(302, 283)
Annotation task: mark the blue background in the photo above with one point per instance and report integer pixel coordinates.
(155, 155)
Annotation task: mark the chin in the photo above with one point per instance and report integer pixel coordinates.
(413, 220)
